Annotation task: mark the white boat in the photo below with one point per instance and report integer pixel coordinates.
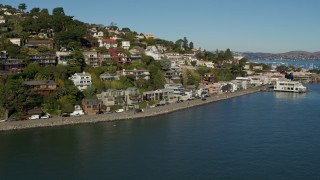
(286, 85)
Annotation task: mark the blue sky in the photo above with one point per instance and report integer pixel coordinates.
(241, 25)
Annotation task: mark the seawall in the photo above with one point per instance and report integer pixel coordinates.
(61, 121)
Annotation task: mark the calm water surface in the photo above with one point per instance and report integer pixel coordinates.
(259, 136)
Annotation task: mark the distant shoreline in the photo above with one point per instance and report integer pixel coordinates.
(128, 115)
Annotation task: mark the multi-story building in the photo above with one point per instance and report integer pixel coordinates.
(178, 89)
(159, 94)
(48, 59)
(81, 80)
(64, 57)
(42, 87)
(91, 58)
(10, 65)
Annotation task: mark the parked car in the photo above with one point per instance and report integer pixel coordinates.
(139, 110)
(32, 117)
(11, 119)
(119, 110)
(65, 115)
(47, 116)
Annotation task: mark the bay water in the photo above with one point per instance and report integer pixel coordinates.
(266, 135)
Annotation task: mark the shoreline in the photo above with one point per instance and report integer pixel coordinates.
(127, 115)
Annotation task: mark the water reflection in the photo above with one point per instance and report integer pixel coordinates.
(289, 95)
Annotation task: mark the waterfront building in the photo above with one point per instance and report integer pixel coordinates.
(81, 80)
(178, 89)
(91, 106)
(159, 94)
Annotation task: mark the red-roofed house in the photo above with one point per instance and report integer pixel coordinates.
(119, 55)
(108, 43)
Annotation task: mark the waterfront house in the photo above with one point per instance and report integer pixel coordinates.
(91, 106)
(42, 87)
(46, 59)
(138, 74)
(159, 94)
(123, 97)
(81, 80)
(36, 43)
(202, 91)
(108, 43)
(178, 89)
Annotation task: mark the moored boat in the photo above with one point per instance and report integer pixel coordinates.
(286, 85)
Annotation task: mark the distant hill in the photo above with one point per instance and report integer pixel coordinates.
(291, 55)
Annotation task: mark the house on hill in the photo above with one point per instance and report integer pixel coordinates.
(108, 43)
(42, 87)
(36, 43)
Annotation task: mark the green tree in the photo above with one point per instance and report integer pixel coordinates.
(185, 43)
(22, 6)
(228, 54)
(191, 46)
(15, 97)
(34, 11)
(165, 64)
(77, 63)
(58, 11)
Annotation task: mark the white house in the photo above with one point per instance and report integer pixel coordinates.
(125, 44)
(178, 89)
(139, 74)
(64, 57)
(2, 20)
(98, 34)
(81, 80)
(16, 41)
(108, 43)
(153, 52)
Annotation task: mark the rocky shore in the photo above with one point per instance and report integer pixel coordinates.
(60, 121)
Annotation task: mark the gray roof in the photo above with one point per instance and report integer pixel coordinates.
(34, 83)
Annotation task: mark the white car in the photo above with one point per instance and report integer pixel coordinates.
(47, 116)
(119, 110)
